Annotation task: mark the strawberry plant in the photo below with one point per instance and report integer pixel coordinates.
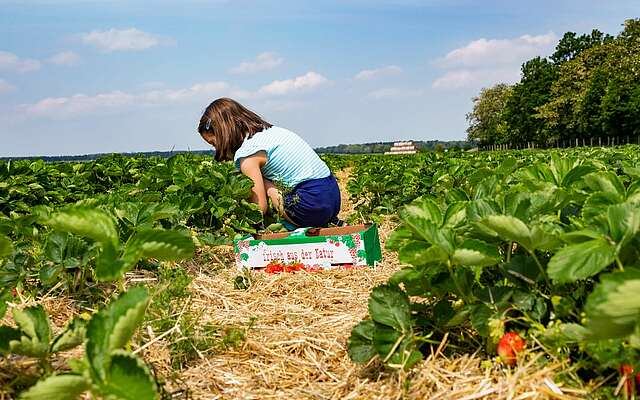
(33, 336)
(116, 256)
(107, 370)
(541, 242)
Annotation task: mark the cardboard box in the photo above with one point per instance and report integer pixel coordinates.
(346, 246)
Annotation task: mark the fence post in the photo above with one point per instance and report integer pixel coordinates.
(591, 142)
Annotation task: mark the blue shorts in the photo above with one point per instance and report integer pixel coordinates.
(313, 203)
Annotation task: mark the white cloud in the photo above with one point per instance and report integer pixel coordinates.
(6, 87)
(66, 58)
(199, 91)
(309, 81)
(124, 39)
(393, 93)
(104, 103)
(117, 101)
(467, 78)
(485, 62)
(10, 61)
(499, 51)
(264, 61)
(368, 74)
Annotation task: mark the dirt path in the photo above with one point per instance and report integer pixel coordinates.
(297, 345)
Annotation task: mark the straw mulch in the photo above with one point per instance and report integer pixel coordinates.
(296, 348)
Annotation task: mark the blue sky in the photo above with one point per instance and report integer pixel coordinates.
(89, 76)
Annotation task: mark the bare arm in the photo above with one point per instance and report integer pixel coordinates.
(250, 166)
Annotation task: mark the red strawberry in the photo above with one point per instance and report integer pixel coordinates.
(509, 346)
(274, 267)
(626, 370)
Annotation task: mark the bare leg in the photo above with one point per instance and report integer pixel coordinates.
(276, 199)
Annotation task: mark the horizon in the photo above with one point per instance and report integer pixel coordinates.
(145, 152)
(111, 76)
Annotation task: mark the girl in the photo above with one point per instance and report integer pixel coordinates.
(282, 166)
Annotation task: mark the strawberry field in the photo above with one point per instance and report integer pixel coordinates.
(117, 280)
(543, 244)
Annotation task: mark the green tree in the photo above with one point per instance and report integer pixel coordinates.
(486, 122)
(533, 91)
(598, 92)
(571, 45)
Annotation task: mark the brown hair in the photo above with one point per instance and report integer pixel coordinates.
(227, 122)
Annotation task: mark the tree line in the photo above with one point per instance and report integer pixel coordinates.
(588, 90)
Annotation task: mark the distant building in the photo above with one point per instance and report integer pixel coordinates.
(403, 148)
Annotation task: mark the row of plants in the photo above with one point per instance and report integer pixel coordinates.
(543, 245)
(78, 228)
(50, 211)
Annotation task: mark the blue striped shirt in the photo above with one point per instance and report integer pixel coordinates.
(290, 160)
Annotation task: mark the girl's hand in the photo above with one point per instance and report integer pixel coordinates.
(250, 166)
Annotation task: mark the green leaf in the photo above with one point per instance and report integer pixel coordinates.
(476, 253)
(545, 236)
(36, 328)
(388, 305)
(112, 327)
(511, 229)
(580, 261)
(399, 237)
(566, 333)
(624, 222)
(129, 379)
(5, 296)
(480, 315)
(8, 335)
(456, 214)
(576, 174)
(482, 208)
(424, 208)
(73, 335)
(419, 253)
(460, 317)
(361, 348)
(607, 182)
(90, 223)
(398, 350)
(48, 274)
(108, 266)
(424, 219)
(415, 280)
(613, 308)
(580, 236)
(6, 247)
(597, 204)
(55, 246)
(159, 244)
(57, 387)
